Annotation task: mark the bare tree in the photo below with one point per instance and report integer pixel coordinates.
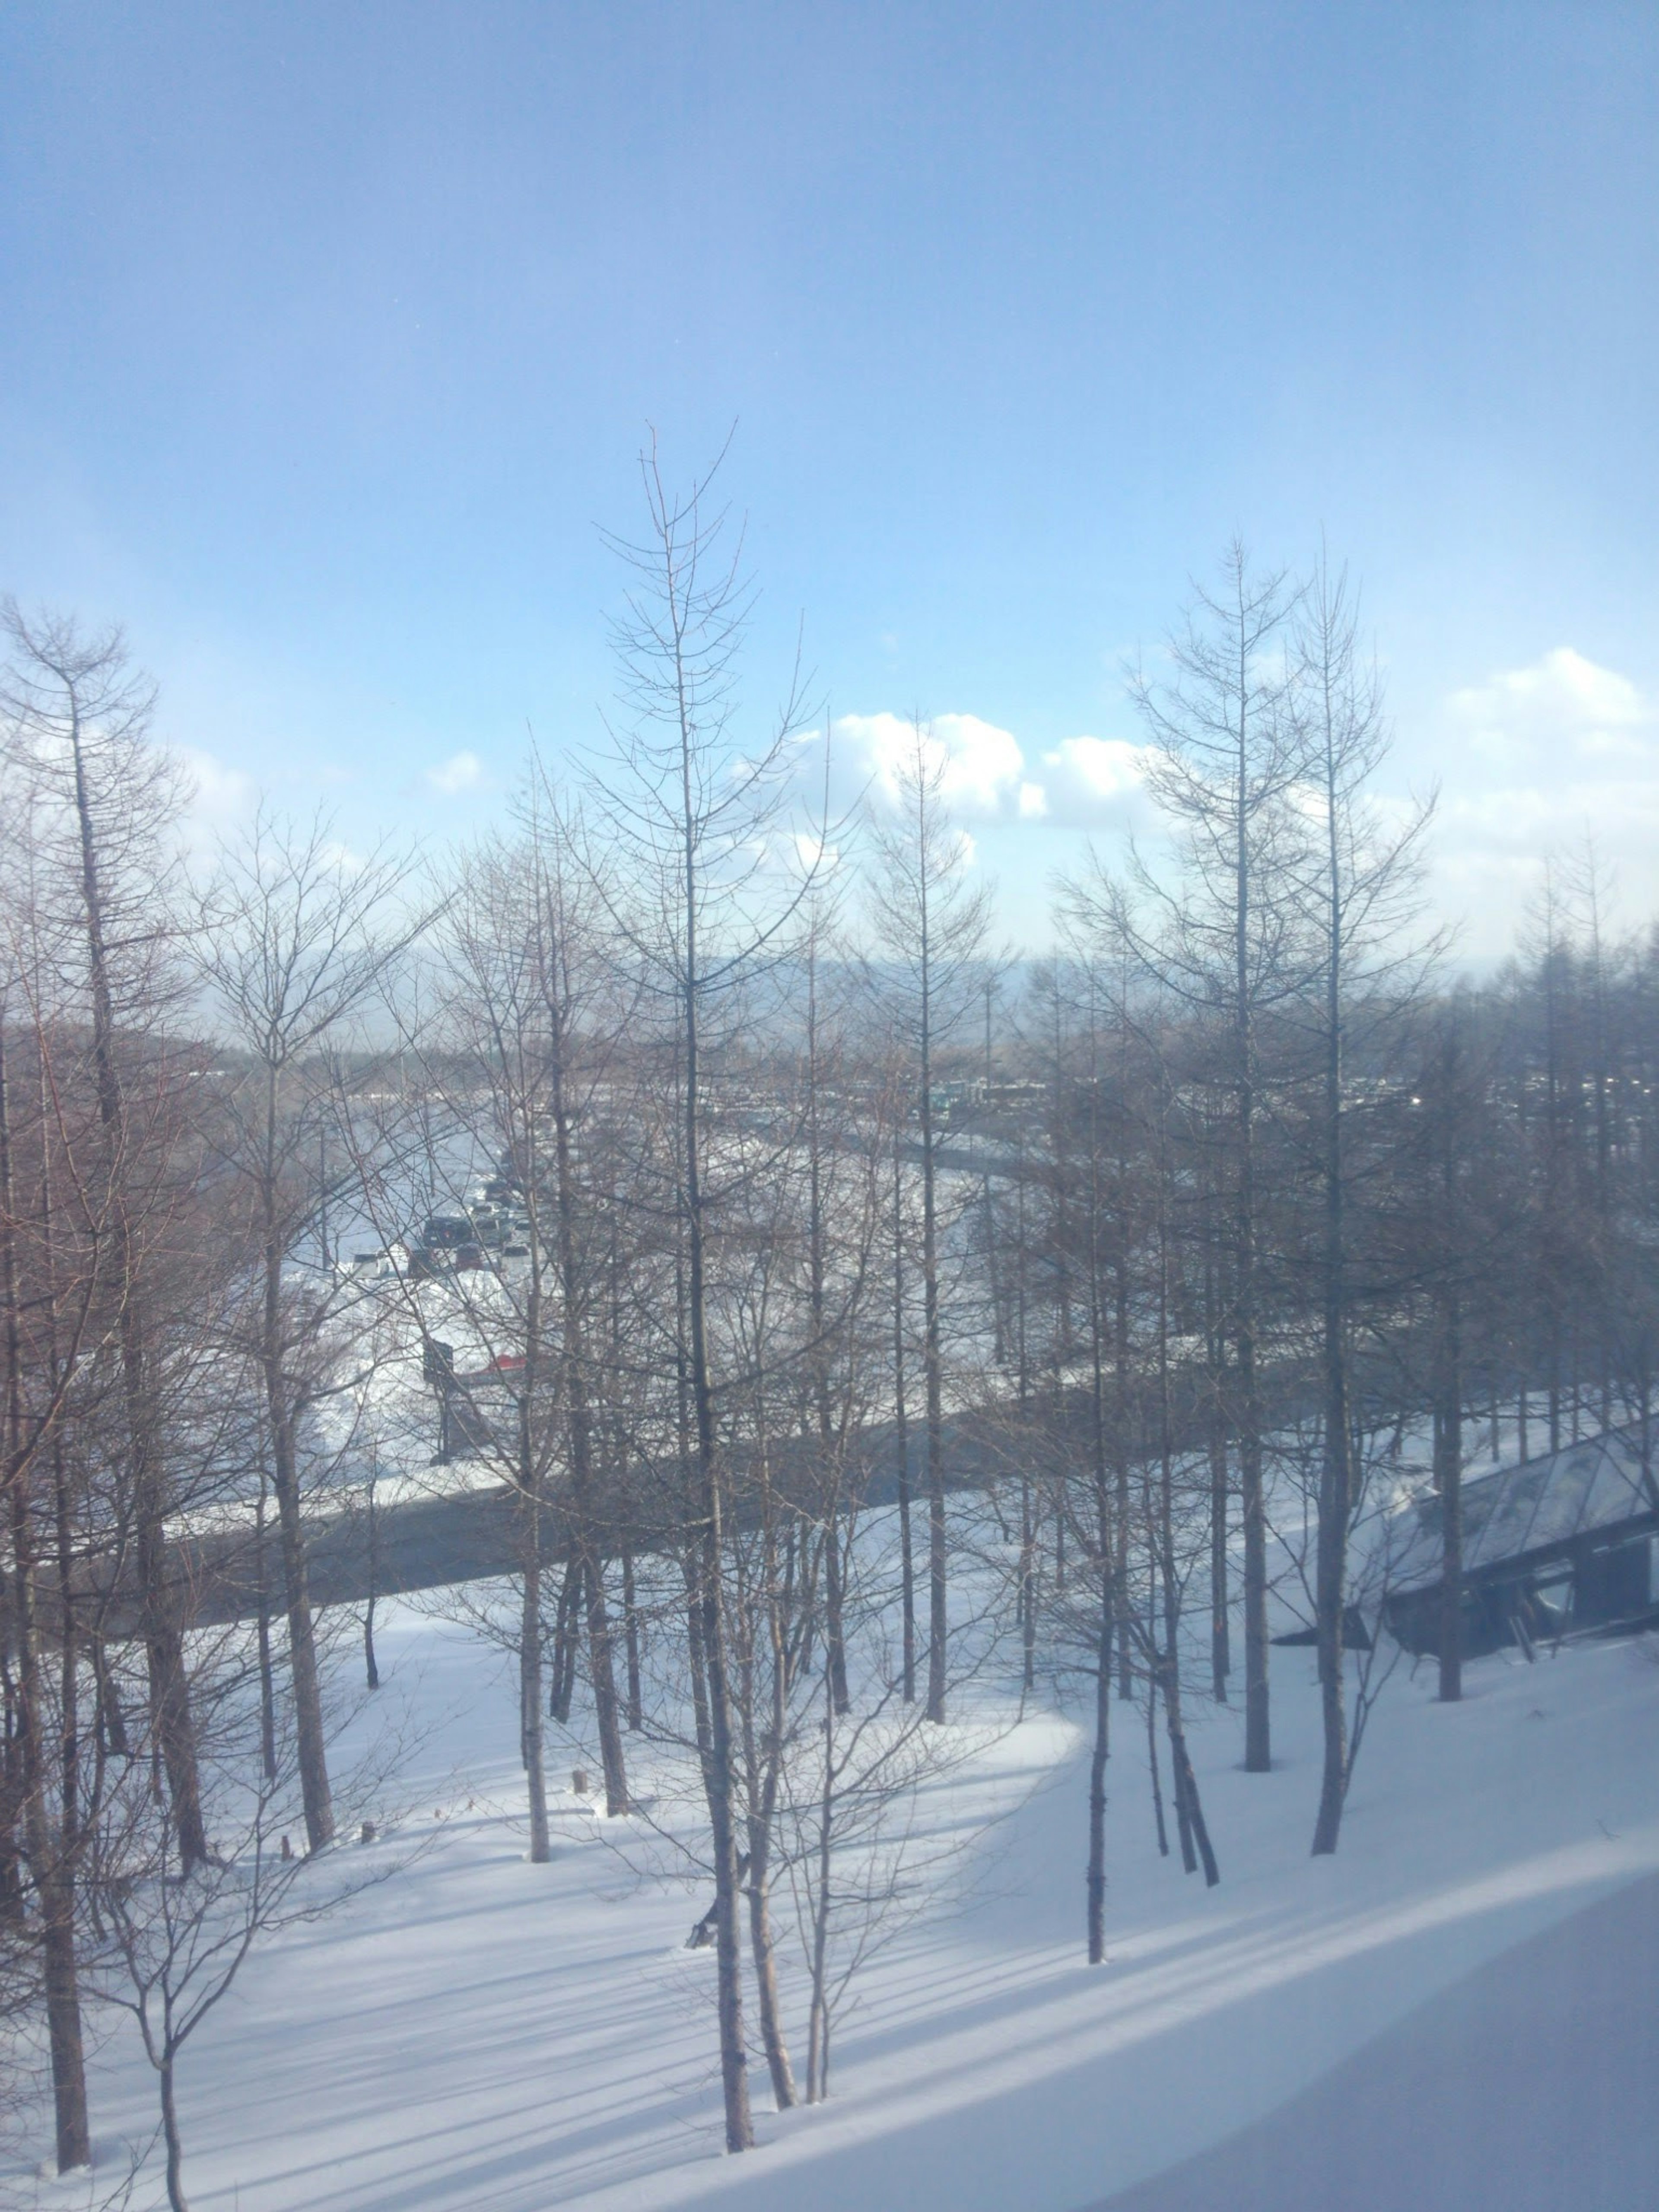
(931, 924)
(1226, 755)
(524, 1054)
(171, 1940)
(1360, 892)
(48, 1846)
(295, 942)
(699, 893)
(862, 1862)
(568, 978)
(109, 802)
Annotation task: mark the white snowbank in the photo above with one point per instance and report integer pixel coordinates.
(481, 2035)
(1528, 2086)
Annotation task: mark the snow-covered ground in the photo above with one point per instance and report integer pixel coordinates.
(479, 2033)
(1528, 2085)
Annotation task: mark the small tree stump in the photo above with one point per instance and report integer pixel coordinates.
(579, 1782)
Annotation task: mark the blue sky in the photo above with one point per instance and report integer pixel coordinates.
(329, 333)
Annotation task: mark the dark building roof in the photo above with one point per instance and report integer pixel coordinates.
(1538, 1507)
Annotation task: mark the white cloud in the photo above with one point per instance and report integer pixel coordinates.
(1088, 781)
(220, 800)
(982, 764)
(1084, 782)
(1619, 813)
(462, 771)
(803, 852)
(219, 796)
(1559, 706)
(1535, 761)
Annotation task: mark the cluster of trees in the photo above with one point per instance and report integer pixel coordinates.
(863, 1313)
(159, 1354)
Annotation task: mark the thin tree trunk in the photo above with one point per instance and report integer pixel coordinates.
(564, 1684)
(69, 1637)
(1220, 1655)
(901, 1424)
(1335, 1475)
(718, 1781)
(1125, 1670)
(817, 2039)
(1189, 1810)
(267, 1678)
(1258, 1745)
(68, 1657)
(1187, 1786)
(699, 1672)
(1221, 1658)
(761, 1816)
(607, 1707)
(1448, 1475)
(834, 1628)
(529, 1689)
(933, 1367)
(1027, 1590)
(316, 1795)
(1183, 1810)
(1448, 1371)
(835, 1633)
(1152, 1762)
(170, 1714)
(371, 1669)
(601, 1669)
(50, 1862)
(1096, 1879)
(1162, 1667)
(1330, 1596)
(631, 1633)
(175, 2148)
(765, 1982)
(112, 1721)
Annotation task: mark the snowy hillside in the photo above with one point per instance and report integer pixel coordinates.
(477, 2035)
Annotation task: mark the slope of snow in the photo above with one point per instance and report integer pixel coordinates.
(1528, 2085)
(480, 2035)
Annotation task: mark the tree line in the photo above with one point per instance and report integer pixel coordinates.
(863, 1328)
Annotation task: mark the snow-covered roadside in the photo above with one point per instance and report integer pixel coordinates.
(1526, 2085)
(480, 2033)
